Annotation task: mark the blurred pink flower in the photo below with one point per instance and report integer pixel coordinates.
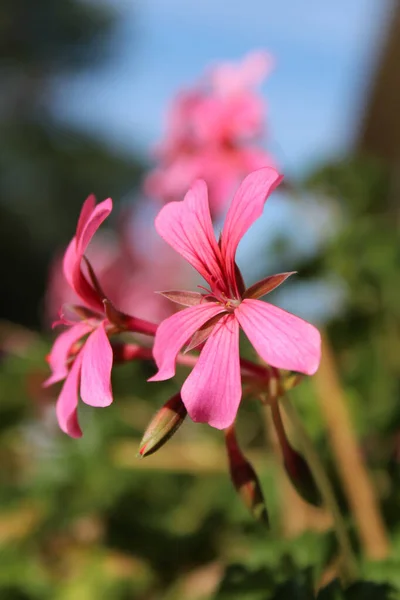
(82, 355)
(212, 392)
(213, 132)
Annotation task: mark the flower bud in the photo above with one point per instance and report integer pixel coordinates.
(163, 425)
(245, 479)
(295, 465)
(301, 477)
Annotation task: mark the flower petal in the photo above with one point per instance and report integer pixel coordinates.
(86, 229)
(96, 369)
(247, 206)
(58, 356)
(213, 390)
(175, 331)
(90, 219)
(281, 339)
(86, 212)
(187, 227)
(67, 403)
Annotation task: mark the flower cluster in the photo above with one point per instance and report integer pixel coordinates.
(214, 132)
(211, 134)
(211, 320)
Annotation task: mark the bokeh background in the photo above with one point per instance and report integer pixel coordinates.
(85, 87)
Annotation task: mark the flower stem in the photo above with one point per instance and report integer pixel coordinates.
(349, 564)
(136, 325)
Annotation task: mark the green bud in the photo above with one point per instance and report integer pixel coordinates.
(163, 426)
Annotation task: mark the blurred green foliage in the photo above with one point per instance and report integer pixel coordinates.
(87, 519)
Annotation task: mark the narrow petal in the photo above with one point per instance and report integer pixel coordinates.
(186, 226)
(265, 286)
(69, 262)
(175, 331)
(247, 206)
(86, 212)
(281, 339)
(96, 369)
(58, 356)
(90, 219)
(213, 390)
(67, 403)
(93, 221)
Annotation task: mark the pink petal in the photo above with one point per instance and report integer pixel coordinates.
(175, 331)
(281, 339)
(67, 403)
(69, 262)
(87, 229)
(96, 369)
(59, 353)
(247, 206)
(187, 227)
(231, 78)
(213, 390)
(86, 211)
(90, 219)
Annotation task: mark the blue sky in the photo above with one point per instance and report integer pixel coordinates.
(324, 51)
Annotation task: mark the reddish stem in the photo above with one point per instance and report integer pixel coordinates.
(128, 352)
(136, 325)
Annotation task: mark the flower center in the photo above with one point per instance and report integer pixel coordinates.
(229, 303)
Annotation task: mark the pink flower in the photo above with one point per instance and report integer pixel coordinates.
(212, 392)
(232, 78)
(82, 355)
(213, 133)
(127, 274)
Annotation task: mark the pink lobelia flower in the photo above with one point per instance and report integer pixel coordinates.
(212, 392)
(82, 355)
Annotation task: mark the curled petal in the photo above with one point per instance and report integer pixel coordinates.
(175, 331)
(96, 369)
(67, 403)
(213, 390)
(60, 351)
(186, 226)
(86, 211)
(247, 206)
(69, 262)
(281, 339)
(90, 219)
(86, 229)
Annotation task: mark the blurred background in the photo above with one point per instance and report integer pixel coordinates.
(86, 87)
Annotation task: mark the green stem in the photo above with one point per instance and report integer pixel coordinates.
(349, 564)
